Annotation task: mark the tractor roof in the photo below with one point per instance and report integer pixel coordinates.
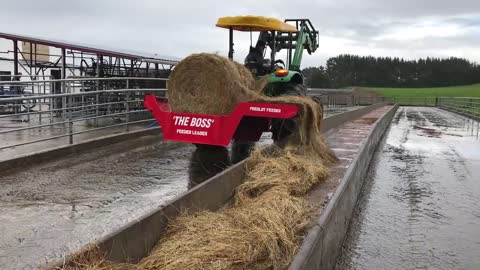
(255, 23)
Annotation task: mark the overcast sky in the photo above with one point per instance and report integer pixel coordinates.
(403, 28)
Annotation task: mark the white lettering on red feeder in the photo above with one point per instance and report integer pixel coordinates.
(181, 120)
(201, 122)
(274, 110)
(192, 132)
(192, 122)
(263, 109)
(184, 131)
(257, 109)
(200, 133)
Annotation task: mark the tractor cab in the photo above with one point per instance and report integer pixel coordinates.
(276, 35)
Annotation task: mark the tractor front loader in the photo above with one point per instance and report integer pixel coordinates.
(284, 78)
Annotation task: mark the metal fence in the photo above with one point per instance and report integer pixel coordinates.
(415, 101)
(333, 101)
(466, 106)
(17, 86)
(73, 108)
(347, 100)
(78, 112)
(27, 85)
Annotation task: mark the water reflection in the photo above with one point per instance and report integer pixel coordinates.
(420, 207)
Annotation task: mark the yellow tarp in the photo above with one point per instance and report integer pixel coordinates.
(254, 23)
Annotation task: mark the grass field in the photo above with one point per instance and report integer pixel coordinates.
(453, 91)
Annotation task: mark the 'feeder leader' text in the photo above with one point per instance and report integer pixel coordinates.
(192, 132)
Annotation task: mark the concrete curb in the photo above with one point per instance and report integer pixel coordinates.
(323, 242)
(134, 240)
(61, 151)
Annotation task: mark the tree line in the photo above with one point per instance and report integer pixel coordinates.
(352, 70)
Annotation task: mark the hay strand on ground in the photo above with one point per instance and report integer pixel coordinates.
(92, 258)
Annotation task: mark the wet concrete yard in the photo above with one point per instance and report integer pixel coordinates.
(420, 206)
(50, 209)
(14, 122)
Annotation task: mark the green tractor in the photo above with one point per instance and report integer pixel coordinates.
(284, 77)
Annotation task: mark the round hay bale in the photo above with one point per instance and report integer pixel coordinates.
(209, 84)
(245, 75)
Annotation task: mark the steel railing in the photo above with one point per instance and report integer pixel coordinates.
(77, 84)
(26, 119)
(11, 85)
(468, 106)
(83, 106)
(80, 113)
(78, 110)
(336, 100)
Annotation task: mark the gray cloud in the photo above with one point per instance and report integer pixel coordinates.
(182, 27)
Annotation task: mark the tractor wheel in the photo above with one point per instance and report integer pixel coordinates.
(241, 150)
(282, 128)
(206, 162)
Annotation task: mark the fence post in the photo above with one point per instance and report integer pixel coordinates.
(97, 99)
(51, 108)
(28, 110)
(127, 106)
(64, 101)
(70, 123)
(40, 101)
(471, 109)
(83, 103)
(478, 126)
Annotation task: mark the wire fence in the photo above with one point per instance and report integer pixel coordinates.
(11, 86)
(77, 112)
(333, 101)
(66, 110)
(467, 106)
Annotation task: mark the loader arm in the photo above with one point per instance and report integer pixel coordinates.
(307, 38)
